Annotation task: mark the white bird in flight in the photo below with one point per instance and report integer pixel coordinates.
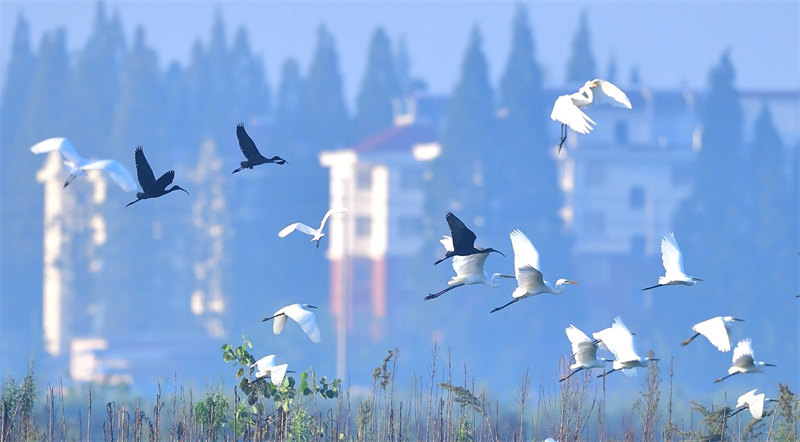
(584, 350)
(619, 341)
(743, 361)
(672, 259)
(568, 108)
(78, 165)
(469, 270)
(316, 234)
(266, 367)
(753, 402)
(715, 330)
(300, 314)
(530, 281)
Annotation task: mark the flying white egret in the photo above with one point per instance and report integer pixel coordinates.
(250, 151)
(672, 259)
(300, 314)
(619, 341)
(151, 187)
(78, 165)
(266, 367)
(743, 361)
(584, 350)
(568, 108)
(530, 281)
(753, 402)
(715, 330)
(469, 270)
(463, 240)
(316, 234)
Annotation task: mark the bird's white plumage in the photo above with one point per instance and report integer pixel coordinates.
(619, 341)
(526, 264)
(672, 258)
(567, 109)
(300, 314)
(464, 266)
(584, 350)
(742, 356)
(296, 226)
(266, 366)
(716, 331)
(79, 165)
(753, 402)
(316, 234)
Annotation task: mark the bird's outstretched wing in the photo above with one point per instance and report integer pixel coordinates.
(566, 112)
(525, 254)
(296, 226)
(743, 353)
(246, 143)
(60, 144)
(264, 363)
(143, 171)
(463, 238)
(582, 346)
(607, 93)
(469, 265)
(277, 373)
(334, 211)
(278, 321)
(671, 257)
(756, 405)
(306, 319)
(117, 171)
(716, 333)
(164, 180)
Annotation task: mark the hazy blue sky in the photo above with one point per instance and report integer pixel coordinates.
(673, 43)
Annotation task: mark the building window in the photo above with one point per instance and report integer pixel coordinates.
(636, 197)
(364, 178)
(363, 226)
(621, 132)
(595, 174)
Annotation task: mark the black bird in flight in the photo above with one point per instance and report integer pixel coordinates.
(151, 187)
(463, 240)
(250, 151)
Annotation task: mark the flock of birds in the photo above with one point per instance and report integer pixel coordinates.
(468, 260)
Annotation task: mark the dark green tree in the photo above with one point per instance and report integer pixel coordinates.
(250, 93)
(46, 114)
(139, 116)
(290, 113)
(328, 124)
(581, 66)
(17, 86)
(378, 88)
(96, 83)
(523, 132)
(469, 134)
(712, 223)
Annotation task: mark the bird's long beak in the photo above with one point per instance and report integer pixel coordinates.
(312, 306)
(508, 276)
(737, 319)
(571, 282)
(769, 365)
(698, 279)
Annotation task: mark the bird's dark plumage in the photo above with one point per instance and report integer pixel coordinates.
(250, 151)
(151, 187)
(463, 239)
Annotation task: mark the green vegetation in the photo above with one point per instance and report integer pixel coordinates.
(439, 407)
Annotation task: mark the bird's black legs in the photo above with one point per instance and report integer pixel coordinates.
(505, 305)
(271, 317)
(686, 342)
(437, 294)
(563, 137)
(736, 412)
(237, 170)
(607, 373)
(137, 200)
(570, 375)
(318, 242)
(725, 377)
(69, 179)
(653, 287)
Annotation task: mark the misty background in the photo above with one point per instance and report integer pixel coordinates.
(712, 140)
